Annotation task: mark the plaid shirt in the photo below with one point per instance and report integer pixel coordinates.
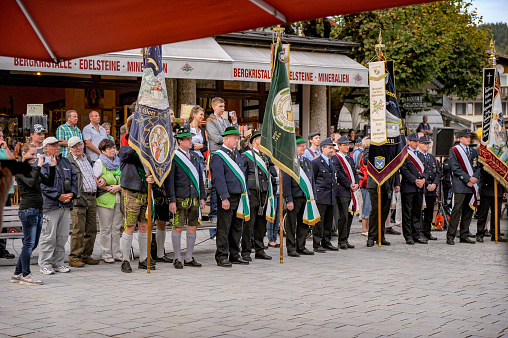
(65, 132)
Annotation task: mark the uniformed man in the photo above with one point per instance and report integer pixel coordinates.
(486, 184)
(347, 184)
(432, 183)
(257, 166)
(313, 152)
(465, 175)
(324, 174)
(296, 229)
(411, 189)
(390, 185)
(228, 177)
(186, 192)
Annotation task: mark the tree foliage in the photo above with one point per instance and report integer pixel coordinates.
(500, 33)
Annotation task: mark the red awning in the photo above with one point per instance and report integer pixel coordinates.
(72, 29)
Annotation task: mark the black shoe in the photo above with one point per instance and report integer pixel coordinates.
(385, 242)
(487, 233)
(165, 259)
(305, 252)
(421, 240)
(431, 238)
(319, 249)
(370, 243)
(467, 240)
(350, 246)
(479, 239)
(247, 258)
(392, 231)
(192, 263)
(331, 248)
(126, 267)
(470, 235)
(7, 254)
(410, 242)
(450, 242)
(262, 255)
(177, 264)
(335, 234)
(343, 246)
(499, 239)
(142, 265)
(239, 261)
(224, 263)
(293, 254)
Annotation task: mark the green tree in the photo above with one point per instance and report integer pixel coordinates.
(500, 34)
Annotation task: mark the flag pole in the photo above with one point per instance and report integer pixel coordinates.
(379, 47)
(281, 227)
(496, 212)
(149, 247)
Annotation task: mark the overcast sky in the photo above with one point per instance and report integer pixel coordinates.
(492, 10)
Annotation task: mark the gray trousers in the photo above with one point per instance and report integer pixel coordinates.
(111, 225)
(54, 235)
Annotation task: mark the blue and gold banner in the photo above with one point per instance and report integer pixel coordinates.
(151, 133)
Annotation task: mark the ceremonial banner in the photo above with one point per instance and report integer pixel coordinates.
(386, 159)
(377, 103)
(278, 132)
(151, 133)
(493, 147)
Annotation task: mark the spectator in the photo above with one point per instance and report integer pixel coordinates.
(109, 208)
(5, 185)
(5, 154)
(30, 211)
(68, 130)
(57, 206)
(84, 214)
(124, 141)
(107, 127)
(38, 135)
(424, 127)
(357, 150)
(363, 175)
(313, 151)
(124, 129)
(93, 134)
(351, 136)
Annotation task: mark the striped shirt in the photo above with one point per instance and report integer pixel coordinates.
(89, 184)
(64, 133)
(95, 136)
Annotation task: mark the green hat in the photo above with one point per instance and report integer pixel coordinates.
(299, 139)
(230, 131)
(183, 132)
(255, 134)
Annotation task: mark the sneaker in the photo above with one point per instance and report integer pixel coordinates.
(126, 267)
(365, 233)
(29, 280)
(63, 269)
(47, 271)
(109, 260)
(16, 278)
(119, 259)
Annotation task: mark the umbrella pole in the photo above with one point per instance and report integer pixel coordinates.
(149, 246)
(496, 216)
(281, 228)
(379, 215)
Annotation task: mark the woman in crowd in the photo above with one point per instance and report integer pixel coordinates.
(109, 200)
(366, 206)
(107, 127)
(30, 211)
(199, 140)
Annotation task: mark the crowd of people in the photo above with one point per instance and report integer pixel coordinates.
(79, 176)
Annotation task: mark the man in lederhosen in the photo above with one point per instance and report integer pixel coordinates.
(296, 199)
(228, 177)
(259, 171)
(431, 185)
(465, 174)
(186, 192)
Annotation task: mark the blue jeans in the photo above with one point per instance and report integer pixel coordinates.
(31, 220)
(273, 228)
(367, 207)
(213, 209)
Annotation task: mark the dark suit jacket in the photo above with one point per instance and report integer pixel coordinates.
(179, 185)
(250, 172)
(486, 184)
(459, 176)
(343, 187)
(223, 178)
(291, 188)
(433, 174)
(325, 178)
(410, 174)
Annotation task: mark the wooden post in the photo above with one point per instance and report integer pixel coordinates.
(496, 216)
(281, 226)
(379, 215)
(149, 247)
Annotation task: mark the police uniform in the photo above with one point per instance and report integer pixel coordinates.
(296, 229)
(324, 175)
(228, 186)
(343, 195)
(446, 181)
(412, 197)
(258, 199)
(433, 176)
(486, 185)
(461, 211)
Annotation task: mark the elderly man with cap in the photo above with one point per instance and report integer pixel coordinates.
(325, 178)
(465, 175)
(347, 184)
(57, 206)
(37, 136)
(187, 195)
(84, 213)
(414, 178)
(260, 174)
(228, 177)
(296, 200)
(431, 186)
(313, 151)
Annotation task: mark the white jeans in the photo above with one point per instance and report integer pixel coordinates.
(110, 224)
(54, 235)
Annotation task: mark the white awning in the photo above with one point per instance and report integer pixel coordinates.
(206, 59)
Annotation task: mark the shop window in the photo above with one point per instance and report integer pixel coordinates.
(469, 109)
(206, 84)
(478, 108)
(241, 85)
(460, 109)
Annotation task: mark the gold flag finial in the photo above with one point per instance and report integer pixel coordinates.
(379, 46)
(278, 30)
(492, 58)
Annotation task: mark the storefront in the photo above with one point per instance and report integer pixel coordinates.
(234, 66)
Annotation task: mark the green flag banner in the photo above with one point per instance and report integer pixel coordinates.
(278, 132)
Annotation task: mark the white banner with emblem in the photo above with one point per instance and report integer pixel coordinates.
(377, 77)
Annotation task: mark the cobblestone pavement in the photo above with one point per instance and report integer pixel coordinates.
(400, 291)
